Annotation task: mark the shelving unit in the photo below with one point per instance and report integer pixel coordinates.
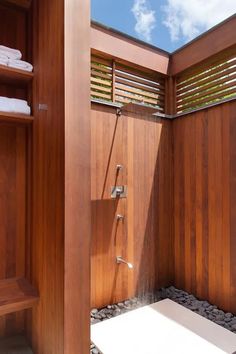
(16, 295)
(14, 76)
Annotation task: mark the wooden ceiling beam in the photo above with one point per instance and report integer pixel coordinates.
(216, 41)
(124, 48)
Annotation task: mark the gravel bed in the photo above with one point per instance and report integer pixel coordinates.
(203, 308)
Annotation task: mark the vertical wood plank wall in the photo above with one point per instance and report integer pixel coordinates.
(143, 145)
(109, 237)
(150, 201)
(205, 204)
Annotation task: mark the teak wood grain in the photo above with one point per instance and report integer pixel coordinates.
(15, 118)
(12, 213)
(14, 76)
(109, 236)
(77, 177)
(143, 145)
(204, 204)
(61, 178)
(16, 294)
(46, 325)
(150, 202)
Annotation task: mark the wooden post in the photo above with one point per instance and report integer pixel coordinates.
(77, 178)
(113, 81)
(170, 95)
(61, 195)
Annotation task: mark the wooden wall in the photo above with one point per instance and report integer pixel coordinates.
(205, 204)
(109, 238)
(150, 203)
(143, 145)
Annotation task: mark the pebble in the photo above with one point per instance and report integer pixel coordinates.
(95, 351)
(228, 315)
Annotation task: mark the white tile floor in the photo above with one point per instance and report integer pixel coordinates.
(162, 328)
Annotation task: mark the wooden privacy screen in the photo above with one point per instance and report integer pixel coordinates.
(207, 85)
(115, 82)
(205, 204)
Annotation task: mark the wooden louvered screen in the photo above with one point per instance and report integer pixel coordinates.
(101, 79)
(112, 81)
(210, 85)
(138, 87)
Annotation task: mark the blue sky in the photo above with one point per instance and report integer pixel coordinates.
(167, 24)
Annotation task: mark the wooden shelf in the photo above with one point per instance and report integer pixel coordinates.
(15, 76)
(15, 295)
(15, 118)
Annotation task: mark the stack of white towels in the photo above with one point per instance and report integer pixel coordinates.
(14, 105)
(12, 58)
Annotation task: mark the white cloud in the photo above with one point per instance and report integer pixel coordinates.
(189, 18)
(145, 19)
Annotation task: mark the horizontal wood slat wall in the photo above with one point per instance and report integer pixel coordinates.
(205, 204)
(143, 145)
(116, 82)
(207, 84)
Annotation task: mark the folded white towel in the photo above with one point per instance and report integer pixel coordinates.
(14, 105)
(3, 56)
(20, 64)
(11, 53)
(3, 61)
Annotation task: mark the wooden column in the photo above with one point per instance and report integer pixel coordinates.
(60, 237)
(77, 176)
(170, 96)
